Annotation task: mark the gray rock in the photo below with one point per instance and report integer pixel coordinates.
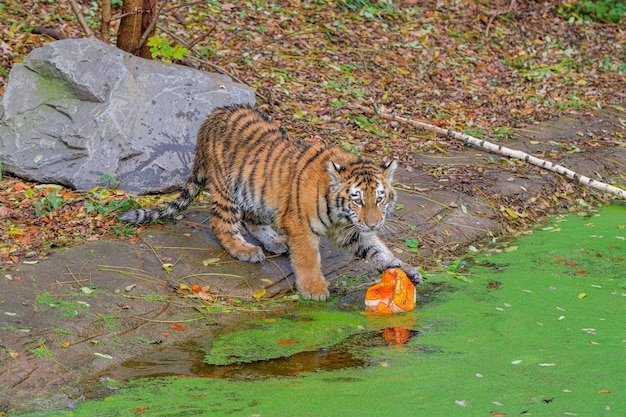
(76, 109)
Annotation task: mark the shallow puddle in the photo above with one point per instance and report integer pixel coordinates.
(189, 360)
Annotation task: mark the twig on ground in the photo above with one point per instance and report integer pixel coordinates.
(501, 150)
(78, 11)
(498, 13)
(50, 31)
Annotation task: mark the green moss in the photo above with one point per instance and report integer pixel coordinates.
(284, 336)
(539, 331)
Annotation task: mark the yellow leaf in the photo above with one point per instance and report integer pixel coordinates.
(510, 248)
(511, 212)
(184, 287)
(16, 232)
(582, 295)
(260, 293)
(267, 281)
(65, 344)
(558, 229)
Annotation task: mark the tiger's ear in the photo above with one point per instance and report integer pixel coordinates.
(335, 171)
(388, 169)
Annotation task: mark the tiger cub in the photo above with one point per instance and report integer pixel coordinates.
(258, 175)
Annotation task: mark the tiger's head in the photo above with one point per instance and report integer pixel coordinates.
(363, 193)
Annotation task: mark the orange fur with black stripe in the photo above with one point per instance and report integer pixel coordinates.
(258, 176)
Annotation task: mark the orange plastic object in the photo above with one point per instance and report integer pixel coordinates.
(395, 293)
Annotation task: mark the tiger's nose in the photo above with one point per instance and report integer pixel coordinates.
(372, 221)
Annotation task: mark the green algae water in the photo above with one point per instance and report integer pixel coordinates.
(539, 328)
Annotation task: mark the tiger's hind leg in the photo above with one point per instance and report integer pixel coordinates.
(263, 232)
(226, 224)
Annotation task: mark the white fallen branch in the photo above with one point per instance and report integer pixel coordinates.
(502, 150)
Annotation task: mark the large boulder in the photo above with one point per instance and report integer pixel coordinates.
(77, 109)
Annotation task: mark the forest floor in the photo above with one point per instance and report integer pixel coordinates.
(531, 77)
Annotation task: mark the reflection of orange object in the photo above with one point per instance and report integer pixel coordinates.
(393, 294)
(396, 335)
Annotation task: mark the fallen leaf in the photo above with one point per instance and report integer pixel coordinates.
(260, 293)
(103, 355)
(210, 261)
(65, 344)
(511, 212)
(582, 295)
(284, 342)
(179, 327)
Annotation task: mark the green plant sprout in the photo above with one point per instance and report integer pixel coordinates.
(161, 49)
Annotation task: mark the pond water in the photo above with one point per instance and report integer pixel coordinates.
(534, 326)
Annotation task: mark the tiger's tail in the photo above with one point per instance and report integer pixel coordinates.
(194, 186)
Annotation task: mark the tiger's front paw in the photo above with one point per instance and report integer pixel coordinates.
(316, 291)
(413, 273)
(318, 296)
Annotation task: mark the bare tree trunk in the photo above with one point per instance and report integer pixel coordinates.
(138, 16)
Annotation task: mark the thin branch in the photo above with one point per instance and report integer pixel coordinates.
(501, 150)
(191, 47)
(151, 27)
(120, 15)
(78, 11)
(181, 5)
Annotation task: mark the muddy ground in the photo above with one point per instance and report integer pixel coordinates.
(68, 318)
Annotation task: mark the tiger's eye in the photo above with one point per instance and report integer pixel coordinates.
(358, 202)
